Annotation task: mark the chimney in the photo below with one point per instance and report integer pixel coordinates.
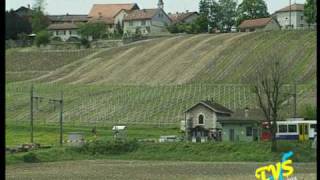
(246, 112)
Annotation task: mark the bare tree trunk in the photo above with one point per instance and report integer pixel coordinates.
(274, 147)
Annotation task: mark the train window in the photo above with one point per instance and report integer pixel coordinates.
(283, 128)
(292, 128)
(314, 126)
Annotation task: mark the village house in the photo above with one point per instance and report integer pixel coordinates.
(261, 24)
(65, 31)
(297, 16)
(110, 14)
(147, 21)
(184, 17)
(210, 121)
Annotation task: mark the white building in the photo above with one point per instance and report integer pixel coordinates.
(64, 31)
(147, 21)
(297, 17)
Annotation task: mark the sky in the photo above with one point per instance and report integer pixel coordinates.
(84, 6)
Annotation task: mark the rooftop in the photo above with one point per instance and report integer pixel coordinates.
(294, 7)
(110, 10)
(261, 22)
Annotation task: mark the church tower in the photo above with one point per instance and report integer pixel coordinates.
(160, 4)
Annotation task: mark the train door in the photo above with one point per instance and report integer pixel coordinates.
(303, 132)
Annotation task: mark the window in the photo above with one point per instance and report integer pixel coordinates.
(249, 131)
(200, 119)
(143, 23)
(70, 32)
(301, 25)
(57, 33)
(283, 128)
(301, 18)
(131, 23)
(314, 126)
(292, 128)
(64, 32)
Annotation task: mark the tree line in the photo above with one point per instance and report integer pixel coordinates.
(223, 15)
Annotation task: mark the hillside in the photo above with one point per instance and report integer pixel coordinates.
(154, 81)
(223, 58)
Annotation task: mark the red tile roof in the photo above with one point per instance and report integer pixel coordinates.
(63, 26)
(294, 7)
(255, 22)
(141, 14)
(110, 10)
(178, 17)
(102, 19)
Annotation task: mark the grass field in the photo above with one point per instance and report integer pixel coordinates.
(157, 170)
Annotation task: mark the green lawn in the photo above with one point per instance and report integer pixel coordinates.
(105, 148)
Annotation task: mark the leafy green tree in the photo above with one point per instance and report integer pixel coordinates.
(39, 21)
(310, 12)
(42, 38)
(251, 9)
(16, 25)
(226, 14)
(96, 30)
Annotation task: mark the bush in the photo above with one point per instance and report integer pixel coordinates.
(56, 38)
(73, 39)
(30, 158)
(42, 38)
(85, 42)
(309, 112)
(109, 147)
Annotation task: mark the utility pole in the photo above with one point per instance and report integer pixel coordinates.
(295, 99)
(60, 101)
(31, 113)
(61, 118)
(290, 14)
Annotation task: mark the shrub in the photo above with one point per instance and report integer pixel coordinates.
(85, 42)
(309, 112)
(42, 38)
(56, 38)
(109, 147)
(30, 158)
(73, 39)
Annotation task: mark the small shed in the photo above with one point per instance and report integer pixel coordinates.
(76, 138)
(119, 132)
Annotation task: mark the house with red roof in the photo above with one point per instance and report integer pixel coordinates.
(111, 14)
(261, 24)
(147, 21)
(183, 17)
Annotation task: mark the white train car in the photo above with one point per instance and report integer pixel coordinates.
(296, 130)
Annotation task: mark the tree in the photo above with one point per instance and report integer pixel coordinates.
(16, 25)
(310, 12)
(227, 14)
(42, 38)
(251, 9)
(39, 20)
(268, 84)
(95, 29)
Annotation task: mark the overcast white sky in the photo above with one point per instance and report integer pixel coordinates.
(84, 6)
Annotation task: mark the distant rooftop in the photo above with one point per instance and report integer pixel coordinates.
(294, 7)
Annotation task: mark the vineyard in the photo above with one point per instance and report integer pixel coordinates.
(106, 105)
(153, 82)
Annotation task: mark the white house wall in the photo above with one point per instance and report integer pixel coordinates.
(283, 19)
(65, 34)
(209, 116)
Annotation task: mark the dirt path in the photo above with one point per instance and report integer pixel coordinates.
(162, 170)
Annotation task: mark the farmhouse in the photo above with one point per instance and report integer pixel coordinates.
(297, 16)
(147, 21)
(65, 31)
(184, 17)
(210, 121)
(111, 14)
(261, 24)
